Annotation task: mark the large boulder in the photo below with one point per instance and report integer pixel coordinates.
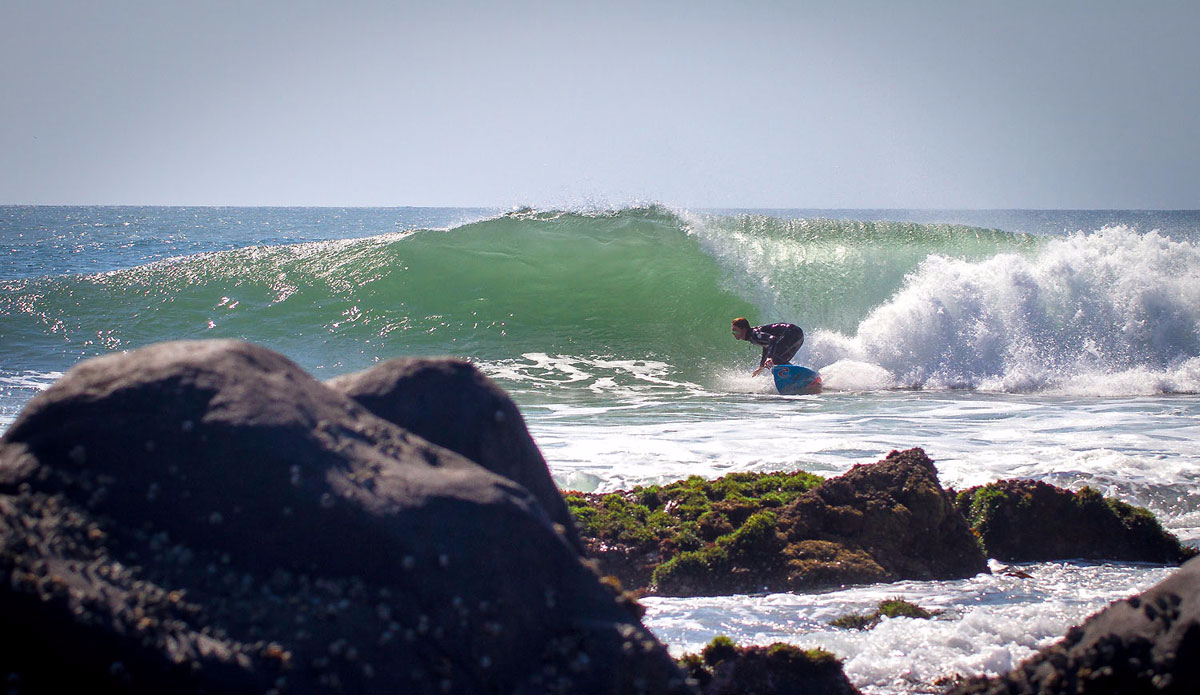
(885, 521)
(894, 511)
(452, 404)
(1146, 644)
(206, 517)
(1012, 518)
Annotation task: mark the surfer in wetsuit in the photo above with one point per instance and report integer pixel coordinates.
(779, 341)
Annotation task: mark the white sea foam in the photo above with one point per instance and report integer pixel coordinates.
(17, 387)
(30, 380)
(987, 624)
(1110, 313)
(1139, 449)
(851, 375)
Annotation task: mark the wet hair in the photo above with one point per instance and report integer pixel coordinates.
(742, 323)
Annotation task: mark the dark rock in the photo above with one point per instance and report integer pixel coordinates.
(1146, 644)
(727, 669)
(896, 512)
(206, 517)
(452, 404)
(885, 521)
(1013, 517)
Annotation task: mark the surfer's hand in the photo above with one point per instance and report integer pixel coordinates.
(768, 364)
(756, 372)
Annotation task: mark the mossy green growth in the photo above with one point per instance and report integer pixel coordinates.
(756, 538)
(1010, 516)
(686, 514)
(980, 505)
(776, 668)
(899, 608)
(890, 608)
(719, 649)
(615, 518)
(856, 621)
(814, 655)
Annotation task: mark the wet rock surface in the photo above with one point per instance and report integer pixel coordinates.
(1032, 521)
(886, 521)
(724, 668)
(206, 517)
(896, 513)
(1146, 644)
(880, 522)
(452, 404)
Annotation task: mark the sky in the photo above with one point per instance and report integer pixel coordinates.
(959, 104)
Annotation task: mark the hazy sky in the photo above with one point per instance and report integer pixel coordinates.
(1087, 104)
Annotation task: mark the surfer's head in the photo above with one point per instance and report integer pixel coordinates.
(741, 328)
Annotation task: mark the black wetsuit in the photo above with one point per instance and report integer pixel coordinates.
(779, 341)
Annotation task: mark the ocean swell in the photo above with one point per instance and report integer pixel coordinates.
(884, 304)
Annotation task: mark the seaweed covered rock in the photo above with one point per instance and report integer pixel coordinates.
(724, 668)
(1032, 521)
(887, 608)
(206, 517)
(631, 533)
(452, 404)
(1146, 644)
(885, 521)
(897, 512)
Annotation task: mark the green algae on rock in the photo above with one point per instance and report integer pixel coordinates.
(632, 533)
(724, 668)
(749, 533)
(888, 608)
(1011, 518)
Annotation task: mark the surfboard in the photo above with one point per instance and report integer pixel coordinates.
(791, 379)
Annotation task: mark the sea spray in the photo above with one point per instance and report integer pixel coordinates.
(1111, 304)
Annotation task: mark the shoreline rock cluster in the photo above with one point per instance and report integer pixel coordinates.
(206, 517)
(881, 522)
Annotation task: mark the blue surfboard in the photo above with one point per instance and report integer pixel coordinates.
(791, 379)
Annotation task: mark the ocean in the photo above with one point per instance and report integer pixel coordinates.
(1061, 346)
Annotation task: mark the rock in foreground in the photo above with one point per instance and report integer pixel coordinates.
(1146, 644)
(450, 403)
(206, 517)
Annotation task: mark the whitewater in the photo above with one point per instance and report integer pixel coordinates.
(1061, 346)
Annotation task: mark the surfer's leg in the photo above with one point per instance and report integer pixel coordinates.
(785, 355)
(785, 351)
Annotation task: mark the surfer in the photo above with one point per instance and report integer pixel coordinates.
(779, 341)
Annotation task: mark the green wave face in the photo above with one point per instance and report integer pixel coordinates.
(619, 284)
